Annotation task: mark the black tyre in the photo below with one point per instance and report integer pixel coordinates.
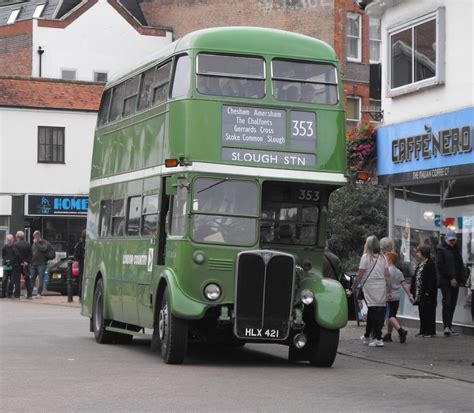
(172, 334)
(102, 336)
(324, 347)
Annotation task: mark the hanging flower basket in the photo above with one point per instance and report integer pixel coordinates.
(361, 153)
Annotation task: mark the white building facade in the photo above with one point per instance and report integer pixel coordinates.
(425, 145)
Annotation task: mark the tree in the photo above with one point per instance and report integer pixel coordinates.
(355, 212)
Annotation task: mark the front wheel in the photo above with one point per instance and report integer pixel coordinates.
(172, 333)
(324, 347)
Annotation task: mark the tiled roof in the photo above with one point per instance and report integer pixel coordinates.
(27, 9)
(50, 94)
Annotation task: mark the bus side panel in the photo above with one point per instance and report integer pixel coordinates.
(130, 146)
(330, 301)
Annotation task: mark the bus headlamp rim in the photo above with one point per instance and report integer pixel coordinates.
(212, 295)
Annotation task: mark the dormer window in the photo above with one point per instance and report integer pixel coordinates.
(13, 16)
(39, 11)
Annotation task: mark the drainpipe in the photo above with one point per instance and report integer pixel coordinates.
(40, 52)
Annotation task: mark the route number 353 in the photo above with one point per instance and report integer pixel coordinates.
(302, 128)
(308, 195)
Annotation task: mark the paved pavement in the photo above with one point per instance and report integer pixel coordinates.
(50, 362)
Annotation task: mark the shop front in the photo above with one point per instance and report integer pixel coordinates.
(428, 165)
(60, 218)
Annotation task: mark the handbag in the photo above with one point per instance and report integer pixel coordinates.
(360, 294)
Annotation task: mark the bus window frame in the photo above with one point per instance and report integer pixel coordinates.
(175, 59)
(192, 211)
(129, 198)
(130, 96)
(109, 220)
(112, 216)
(155, 86)
(229, 76)
(157, 213)
(301, 81)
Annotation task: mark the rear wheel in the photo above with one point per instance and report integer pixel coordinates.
(324, 347)
(102, 336)
(172, 333)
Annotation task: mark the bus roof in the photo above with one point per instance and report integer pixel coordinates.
(248, 40)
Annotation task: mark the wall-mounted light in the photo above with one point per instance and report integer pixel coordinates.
(429, 215)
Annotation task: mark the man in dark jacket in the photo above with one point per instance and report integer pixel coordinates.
(40, 260)
(21, 265)
(7, 260)
(79, 255)
(450, 269)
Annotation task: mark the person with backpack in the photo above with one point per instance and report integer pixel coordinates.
(42, 252)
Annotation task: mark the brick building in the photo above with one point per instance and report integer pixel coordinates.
(340, 23)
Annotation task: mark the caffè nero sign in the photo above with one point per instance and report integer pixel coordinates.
(444, 143)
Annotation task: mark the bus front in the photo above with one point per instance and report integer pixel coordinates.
(254, 154)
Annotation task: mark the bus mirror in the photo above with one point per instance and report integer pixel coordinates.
(171, 186)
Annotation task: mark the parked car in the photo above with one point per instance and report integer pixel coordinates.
(57, 276)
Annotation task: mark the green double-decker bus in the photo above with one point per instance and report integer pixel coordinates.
(212, 167)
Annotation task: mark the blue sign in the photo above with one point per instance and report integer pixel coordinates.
(45, 205)
(427, 148)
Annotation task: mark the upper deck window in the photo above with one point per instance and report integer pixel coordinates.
(304, 82)
(233, 76)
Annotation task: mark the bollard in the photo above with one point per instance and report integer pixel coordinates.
(69, 281)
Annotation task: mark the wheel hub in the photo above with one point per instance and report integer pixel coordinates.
(163, 321)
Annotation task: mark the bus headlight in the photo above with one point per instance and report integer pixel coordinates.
(307, 297)
(212, 292)
(199, 257)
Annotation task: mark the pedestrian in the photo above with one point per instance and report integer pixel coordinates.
(450, 270)
(470, 292)
(373, 270)
(43, 251)
(386, 245)
(424, 289)
(332, 266)
(79, 255)
(7, 261)
(21, 264)
(398, 282)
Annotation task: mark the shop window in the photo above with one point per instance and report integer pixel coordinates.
(150, 214)
(50, 144)
(416, 54)
(134, 212)
(354, 34)
(118, 218)
(375, 40)
(105, 214)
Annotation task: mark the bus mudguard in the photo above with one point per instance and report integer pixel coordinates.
(182, 306)
(330, 302)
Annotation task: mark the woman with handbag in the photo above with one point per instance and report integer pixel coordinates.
(424, 289)
(373, 270)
